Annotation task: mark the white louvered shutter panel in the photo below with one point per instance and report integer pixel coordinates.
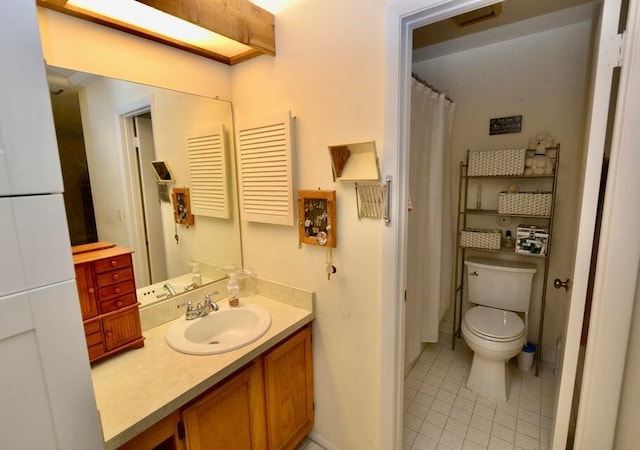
(208, 168)
(266, 186)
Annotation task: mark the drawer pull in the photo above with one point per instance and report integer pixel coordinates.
(114, 263)
(117, 290)
(116, 276)
(119, 304)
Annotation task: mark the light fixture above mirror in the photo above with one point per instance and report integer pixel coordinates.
(228, 31)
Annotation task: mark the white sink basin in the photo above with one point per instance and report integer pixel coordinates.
(221, 331)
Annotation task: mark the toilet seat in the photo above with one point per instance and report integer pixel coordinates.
(494, 324)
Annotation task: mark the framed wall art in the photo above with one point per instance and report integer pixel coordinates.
(317, 217)
(182, 206)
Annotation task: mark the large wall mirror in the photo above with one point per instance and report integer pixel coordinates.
(108, 133)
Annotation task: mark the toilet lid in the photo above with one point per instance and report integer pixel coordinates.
(495, 324)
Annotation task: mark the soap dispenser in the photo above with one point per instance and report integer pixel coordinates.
(233, 290)
(196, 278)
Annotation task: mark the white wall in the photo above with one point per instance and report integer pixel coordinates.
(328, 71)
(544, 77)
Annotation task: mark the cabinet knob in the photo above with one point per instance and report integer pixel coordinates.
(109, 333)
(91, 290)
(117, 290)
(119, 304)
(116, 276)
(114, 263)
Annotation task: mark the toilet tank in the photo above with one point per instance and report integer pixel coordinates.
(500, 284)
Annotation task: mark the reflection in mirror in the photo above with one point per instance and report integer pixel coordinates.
(109, 133)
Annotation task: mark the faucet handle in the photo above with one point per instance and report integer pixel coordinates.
(208, 303)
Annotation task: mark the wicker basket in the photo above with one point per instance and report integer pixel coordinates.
(480, 238)
(525, 203)
(496, 162)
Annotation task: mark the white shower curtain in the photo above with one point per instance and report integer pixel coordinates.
(430, 235)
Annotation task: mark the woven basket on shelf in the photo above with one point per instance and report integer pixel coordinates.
(524, 203)
(479, 238)
(496, 162)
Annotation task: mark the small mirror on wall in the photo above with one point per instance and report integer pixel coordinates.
(354, 162)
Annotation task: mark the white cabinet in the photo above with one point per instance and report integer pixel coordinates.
(34, 236)
(29, 162)
(46, 392)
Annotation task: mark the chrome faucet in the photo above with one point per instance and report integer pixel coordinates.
(194, 312)
(170, 289)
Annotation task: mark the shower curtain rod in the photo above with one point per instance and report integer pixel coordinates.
(430, 86)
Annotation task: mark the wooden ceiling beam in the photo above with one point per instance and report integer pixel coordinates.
(239, 20)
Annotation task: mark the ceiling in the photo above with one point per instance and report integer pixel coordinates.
(518, 18)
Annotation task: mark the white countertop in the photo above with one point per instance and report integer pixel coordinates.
(138, 387)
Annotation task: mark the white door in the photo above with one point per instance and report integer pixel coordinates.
(150, 200)
(607, 54)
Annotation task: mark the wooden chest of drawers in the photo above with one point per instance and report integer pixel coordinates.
(107, 292)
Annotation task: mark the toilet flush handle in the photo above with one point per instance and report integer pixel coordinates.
(474, 273)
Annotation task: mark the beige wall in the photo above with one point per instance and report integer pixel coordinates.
(328, 73)
(545, 78)
(86, 47)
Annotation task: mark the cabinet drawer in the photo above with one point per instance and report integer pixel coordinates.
(115, 262)
(115, 276)
(117, 303)
(95, 351)
(116, 290)
(92, 327)
(94, 339)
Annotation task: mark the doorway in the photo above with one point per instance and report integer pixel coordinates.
(489, 73)
(145, 201)
(409, 17)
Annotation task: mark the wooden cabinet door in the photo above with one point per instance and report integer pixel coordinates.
(163, 435)
(121, 328)
(231, 417)
(288, 378)
(86, 291)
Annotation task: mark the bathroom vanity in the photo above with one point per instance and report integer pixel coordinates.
(255, 397)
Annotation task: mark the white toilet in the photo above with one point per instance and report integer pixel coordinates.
(492, 329)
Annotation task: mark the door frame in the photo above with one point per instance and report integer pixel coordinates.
(133, 218)
(609, 329)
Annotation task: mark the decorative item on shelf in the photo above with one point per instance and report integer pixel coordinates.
(480, 238)
(182, 207)
(539, 163)
(496, 162)
(532, 240)
(317, 218)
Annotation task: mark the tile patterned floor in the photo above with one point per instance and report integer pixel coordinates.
(441, 413)
(308, 444)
